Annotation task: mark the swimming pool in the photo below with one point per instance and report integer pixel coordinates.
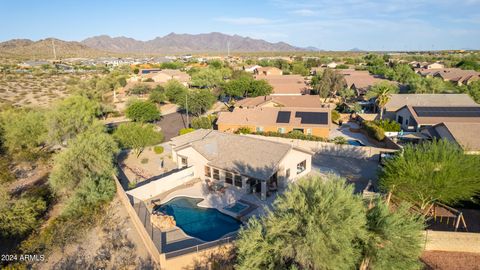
(355, 143)
(236, 207)
(207, 224)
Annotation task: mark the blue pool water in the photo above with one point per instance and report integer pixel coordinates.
(355, 143)
(207, 224)
(236, 208)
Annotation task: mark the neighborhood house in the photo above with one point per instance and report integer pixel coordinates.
(304, 101)
(286, 84)
(248, 164)
(309, 121)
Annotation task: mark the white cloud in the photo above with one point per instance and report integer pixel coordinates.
(304, 12)
(244, 20)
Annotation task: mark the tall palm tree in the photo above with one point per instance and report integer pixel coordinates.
(382, 92)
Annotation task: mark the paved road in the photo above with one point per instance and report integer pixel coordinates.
(357, 171)
(171, 124)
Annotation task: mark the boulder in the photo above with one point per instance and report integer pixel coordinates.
(162, 221)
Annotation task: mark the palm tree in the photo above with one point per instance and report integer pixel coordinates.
(382, 92)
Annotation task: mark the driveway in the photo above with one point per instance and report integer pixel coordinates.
(356, 171)
(172, 123)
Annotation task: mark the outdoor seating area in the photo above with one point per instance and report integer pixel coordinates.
(217, 187)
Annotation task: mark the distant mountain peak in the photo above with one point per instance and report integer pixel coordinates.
(356, 50)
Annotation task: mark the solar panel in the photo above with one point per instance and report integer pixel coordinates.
(320, 118)
(283, 117)
(447, 111)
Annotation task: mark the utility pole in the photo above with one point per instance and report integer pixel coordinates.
(186, 108)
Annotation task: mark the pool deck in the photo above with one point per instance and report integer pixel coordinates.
(176, 239)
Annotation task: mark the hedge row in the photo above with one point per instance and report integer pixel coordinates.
(373, 130)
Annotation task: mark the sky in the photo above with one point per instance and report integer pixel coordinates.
(325, 24)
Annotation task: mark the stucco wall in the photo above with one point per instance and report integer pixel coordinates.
(405, 113)
(290, 161)
(193, 159)
(161, 185)
(452, 241)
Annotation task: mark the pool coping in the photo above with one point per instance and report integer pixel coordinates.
(227, 235)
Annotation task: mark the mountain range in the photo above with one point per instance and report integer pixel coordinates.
(169, 44)
(43, 49)
(185, 43)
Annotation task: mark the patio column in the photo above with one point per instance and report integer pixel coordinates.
(264, 190)
(244, 184)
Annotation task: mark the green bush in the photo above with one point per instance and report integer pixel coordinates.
(339, 140)
(205, 122)
(158, 149)
(388, 125)
(243, 130)
(292, 135)
(142, 111)
(139, 89)
(185, 131)
(296, 134)
(132, 185)
(335, 116)
(373, 130)
(342, 66)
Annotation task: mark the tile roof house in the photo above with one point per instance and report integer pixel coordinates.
(309, 121)
(413, 118)
(304, 101)
(397, 101)
(455, 75)
(360, 80)
(267, 71)
(238, 161)
(466, 135)
(165, 75)
(286, 84)
(251, 69)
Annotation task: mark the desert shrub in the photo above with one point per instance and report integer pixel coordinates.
(388, 125)
(158, 149)
(373, 130)
(185, 131)
(335, 116)
(148, 80)
(139, 89)
(243, 130)
(205, 122)
(144, 161)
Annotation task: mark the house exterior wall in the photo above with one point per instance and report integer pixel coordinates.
(406, 115)
(317, 131)
(289, 162)
(199, 162)
(193, 159)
